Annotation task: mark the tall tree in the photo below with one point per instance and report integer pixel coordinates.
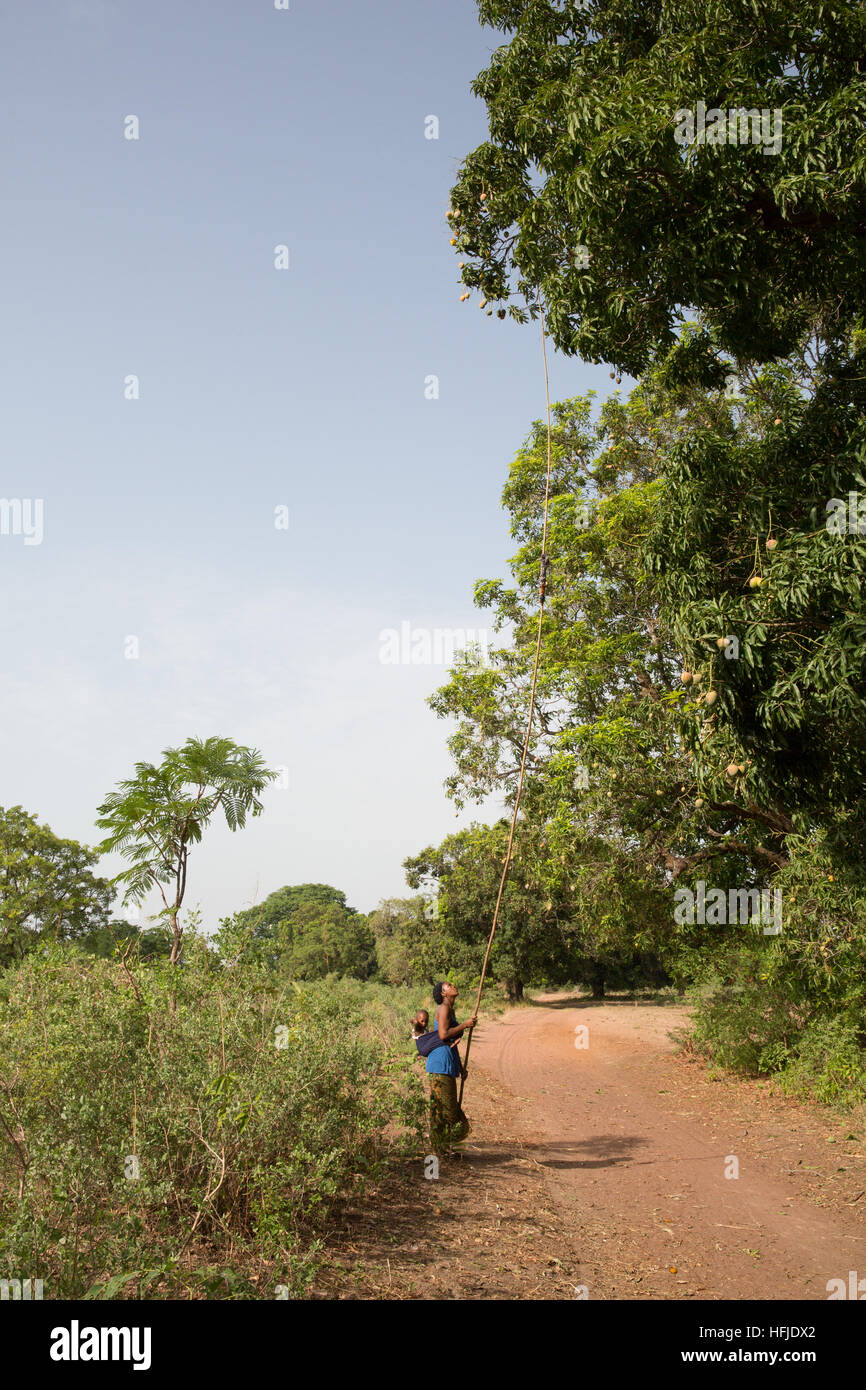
(409, 944)
(47, 887)
(155, 818)
(573, 910)
(594, 190)
(306, 931)
(758, 557)
(608, 750)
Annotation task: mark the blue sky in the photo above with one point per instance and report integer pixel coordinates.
(258, 388)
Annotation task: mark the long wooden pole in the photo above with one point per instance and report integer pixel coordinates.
(541, 591)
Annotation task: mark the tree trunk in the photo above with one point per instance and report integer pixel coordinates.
(514, 990)
(177, 943)
(597, 981)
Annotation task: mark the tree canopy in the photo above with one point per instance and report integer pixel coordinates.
(159, 814)
(47, 886)
(306, 931)
(589, 192)
(760, 588)
(573, 910)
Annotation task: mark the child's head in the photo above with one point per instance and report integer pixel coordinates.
(419, 1022)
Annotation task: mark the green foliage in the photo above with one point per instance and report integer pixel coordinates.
(792, 1004)
(157, 815)
(116, 936)
(611, 772)
(765, 238)
(47, 888)
(746, 774)
(410, 947)
(829, 1063)
(572, 909)
(251, 1107)
(752, 1025)
(304, 932)
(763, 1024)
(741, 549)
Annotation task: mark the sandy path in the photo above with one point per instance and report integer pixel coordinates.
(636, 1141)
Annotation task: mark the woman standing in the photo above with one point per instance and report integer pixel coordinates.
(448, 1124)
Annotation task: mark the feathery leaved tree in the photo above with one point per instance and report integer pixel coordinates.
(155, 817)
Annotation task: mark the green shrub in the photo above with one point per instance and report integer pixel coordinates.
(750, 1026)
(250, 1105)
(791, 1004)
(830, 1063)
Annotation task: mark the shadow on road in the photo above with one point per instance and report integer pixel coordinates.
(581, 1001)
(601, 1151)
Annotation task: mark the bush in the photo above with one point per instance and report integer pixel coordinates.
(176, 1132)
(751, 1025)
(791, 1004)
(831, 1063)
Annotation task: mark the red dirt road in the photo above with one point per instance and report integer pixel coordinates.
(636, 1140)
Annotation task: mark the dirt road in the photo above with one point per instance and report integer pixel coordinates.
(599, 1170)
(681, 1185)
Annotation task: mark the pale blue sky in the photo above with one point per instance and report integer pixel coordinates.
(258, 387)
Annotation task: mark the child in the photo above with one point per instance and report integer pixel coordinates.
(423, 1038)
(419, 1023)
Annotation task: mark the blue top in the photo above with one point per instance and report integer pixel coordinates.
(444, 1061)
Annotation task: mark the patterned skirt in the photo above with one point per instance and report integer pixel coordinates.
(448, 1124)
